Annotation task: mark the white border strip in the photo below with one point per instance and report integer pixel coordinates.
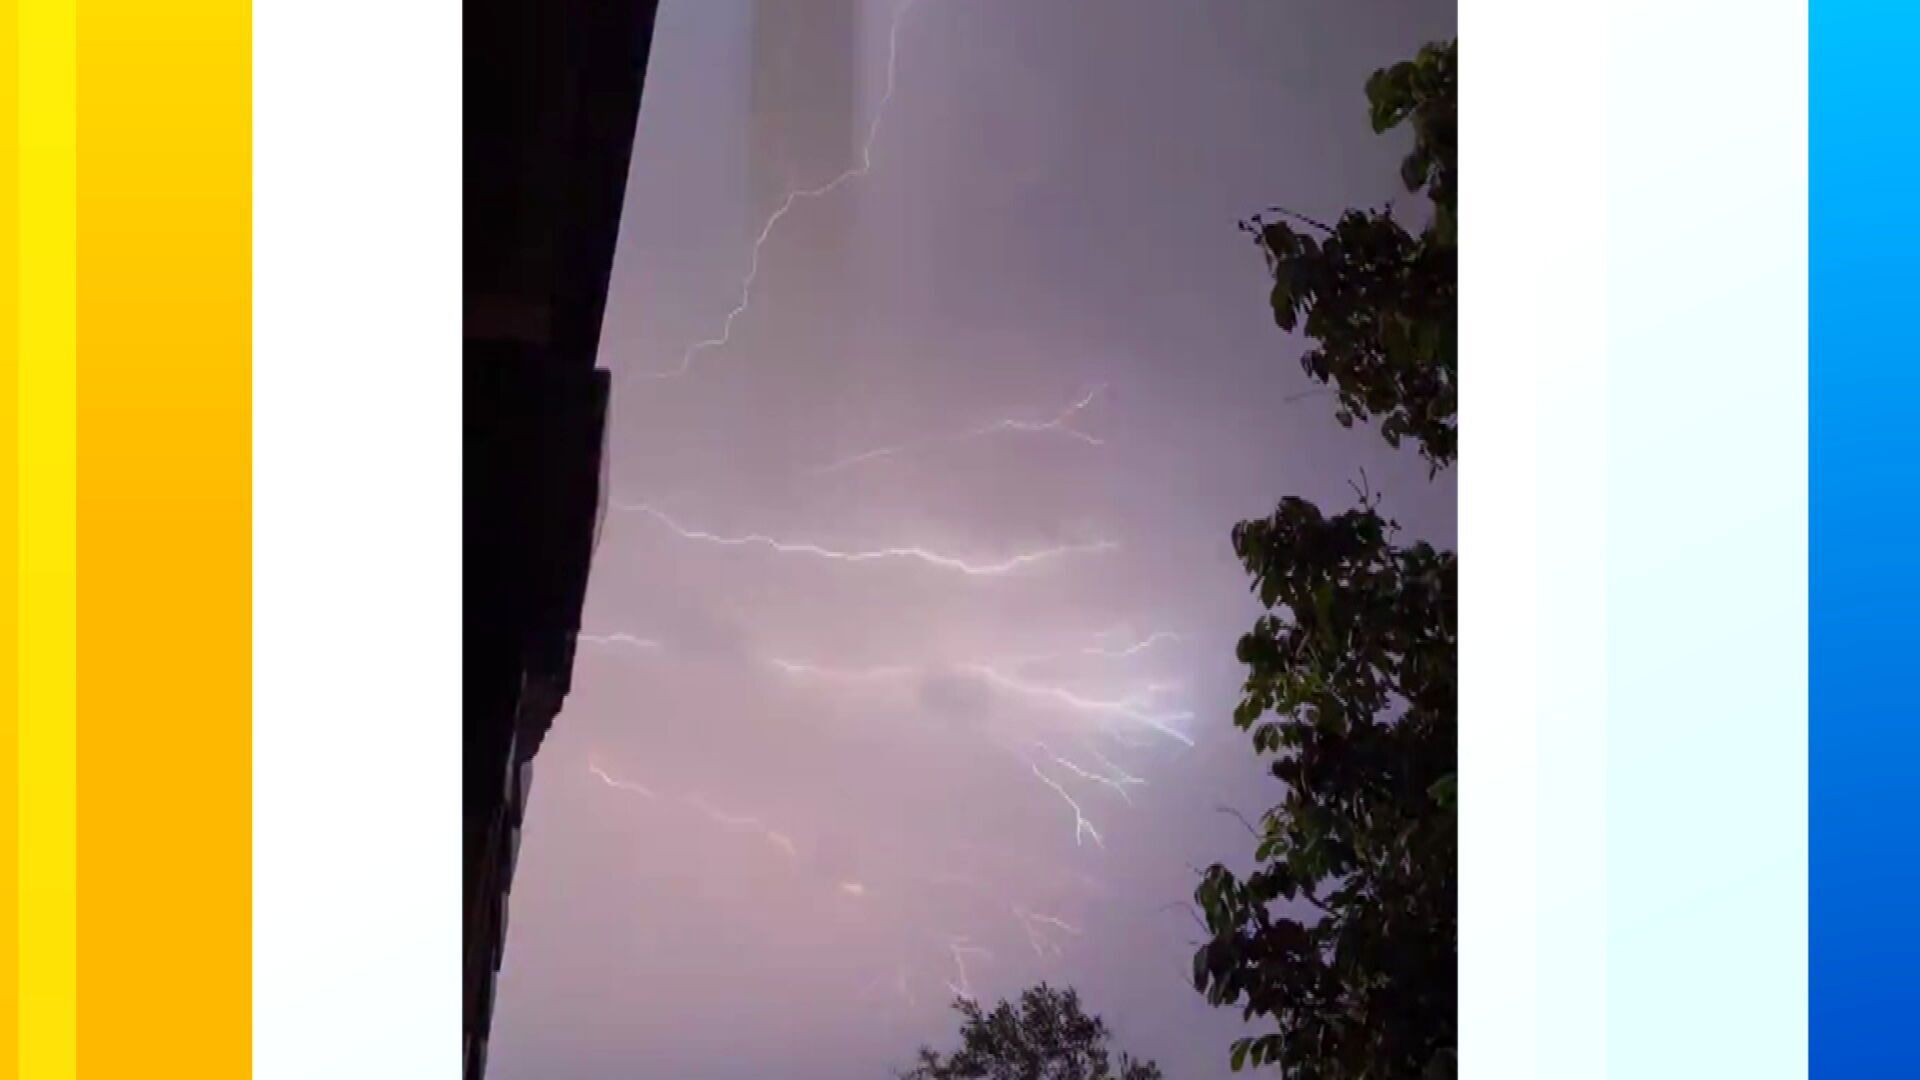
(356, 540)
(1707, 540)
(1633, 533)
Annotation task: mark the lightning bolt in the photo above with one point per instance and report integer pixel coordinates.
(1136, 648)
(1042, 945)
(1119, 774)
(643, 644)
(917, 554)
(792, 199)
(852, 675)
(736, 822)
(1127, 708)
(1060, 423)
(623, 785)
(1059, 924)
(1119, 788)
(742, 823)
(1081, 826)
(960, 950)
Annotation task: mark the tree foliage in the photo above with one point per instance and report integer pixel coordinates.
(1378, 301)
(1352, 690)
(1345, 933)
(1046, 1037)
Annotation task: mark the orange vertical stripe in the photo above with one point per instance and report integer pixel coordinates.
(165, 538)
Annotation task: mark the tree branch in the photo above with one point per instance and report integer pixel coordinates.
(1241, 818)
(1302, 218)
(1181, 905)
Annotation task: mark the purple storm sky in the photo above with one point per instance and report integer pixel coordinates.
(831, 724)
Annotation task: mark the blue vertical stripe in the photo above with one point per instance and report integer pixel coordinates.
(1864, 577)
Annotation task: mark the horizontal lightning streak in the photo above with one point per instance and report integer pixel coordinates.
(1056, 923)
(856, 675)
(792, 199)
(1137, 647)
(644, 644)
(930, 558)
(1060, 424)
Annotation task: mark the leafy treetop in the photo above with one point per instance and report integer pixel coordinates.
(1380, 303)
(1047, 1036)
(1353, 691)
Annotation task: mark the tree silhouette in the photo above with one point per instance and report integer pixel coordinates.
(1377, 301)
(1047, 1037)
(1345, 935)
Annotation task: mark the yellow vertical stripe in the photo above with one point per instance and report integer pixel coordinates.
(9, 543)
(165, 538)
(47, 553)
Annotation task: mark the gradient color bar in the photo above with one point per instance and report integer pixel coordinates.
(165, 537)
(9, 539)
(47, 636)
(1865, 512)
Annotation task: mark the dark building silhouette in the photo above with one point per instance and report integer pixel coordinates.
(552, 92)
